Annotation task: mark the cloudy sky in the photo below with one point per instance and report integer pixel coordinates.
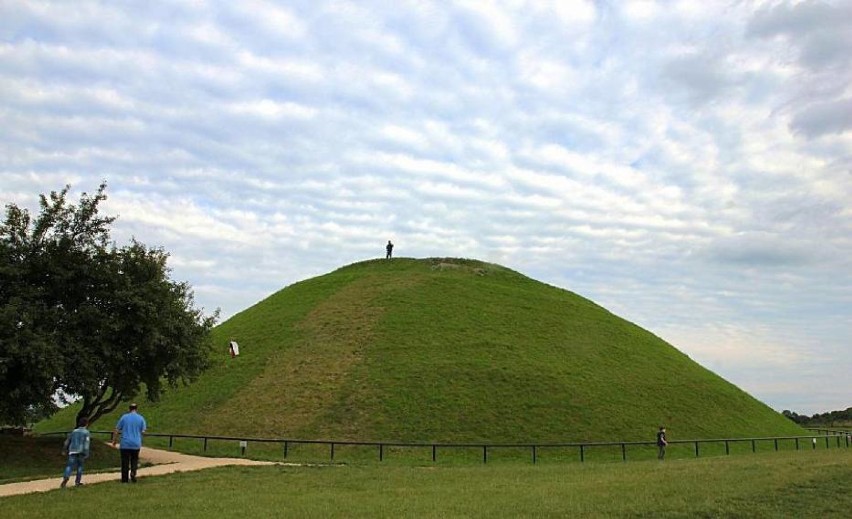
(687, 165)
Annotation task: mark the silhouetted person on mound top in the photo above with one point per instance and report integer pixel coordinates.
(389, 249)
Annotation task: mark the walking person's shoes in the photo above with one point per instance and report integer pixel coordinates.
(64, 482)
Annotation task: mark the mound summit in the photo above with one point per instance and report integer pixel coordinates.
(450, 350)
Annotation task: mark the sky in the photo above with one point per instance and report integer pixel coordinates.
(687, 165)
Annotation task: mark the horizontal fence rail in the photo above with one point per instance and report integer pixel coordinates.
(839, 438)
(831, 431)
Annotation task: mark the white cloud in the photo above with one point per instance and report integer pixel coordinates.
(489, 22)
(685, 164)
(642, 10)
(269, 109)
(276, 20)
(570, 11)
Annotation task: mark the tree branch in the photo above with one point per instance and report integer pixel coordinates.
(107, 406)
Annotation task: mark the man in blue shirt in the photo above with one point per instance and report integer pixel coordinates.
(131, 426)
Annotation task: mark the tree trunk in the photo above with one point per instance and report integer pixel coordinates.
(99, 405)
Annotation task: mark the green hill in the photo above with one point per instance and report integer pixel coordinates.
(448, 350)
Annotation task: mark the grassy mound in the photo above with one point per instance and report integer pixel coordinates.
(448, 350)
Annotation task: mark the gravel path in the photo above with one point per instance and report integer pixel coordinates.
(165, 462)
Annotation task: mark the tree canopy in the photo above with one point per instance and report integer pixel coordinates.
(82, 316)
(830, 418)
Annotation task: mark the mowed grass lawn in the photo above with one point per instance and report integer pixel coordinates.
(784, 484)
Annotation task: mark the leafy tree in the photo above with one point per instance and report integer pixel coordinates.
(792, 415)
(831, 418)
(81, 316)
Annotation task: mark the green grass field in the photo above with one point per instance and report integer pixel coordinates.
(447, 350)
(810, 483)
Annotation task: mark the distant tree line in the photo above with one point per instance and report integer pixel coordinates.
(830, 418)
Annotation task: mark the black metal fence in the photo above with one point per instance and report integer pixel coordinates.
(830, 437)
(833, 431)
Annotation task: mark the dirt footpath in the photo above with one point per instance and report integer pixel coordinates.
(165, 462)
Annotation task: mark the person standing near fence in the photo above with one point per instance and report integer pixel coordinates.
(661, 443)
(131, 426)
(76, 447)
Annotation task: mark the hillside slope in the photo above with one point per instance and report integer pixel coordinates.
(449, 350)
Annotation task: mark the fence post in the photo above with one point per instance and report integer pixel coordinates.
(753, 447)
(582, 453)
(332, 451)
(727, 448)
(797, 443)
(170, 440)
(696, 449)
(205, 444)
(434, 452)
(623, 452)
(533, 449)
(285, 448)
(381, 452)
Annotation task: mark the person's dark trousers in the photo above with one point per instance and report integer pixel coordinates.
(129, 462)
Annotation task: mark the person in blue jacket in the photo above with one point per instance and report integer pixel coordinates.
(131, 426)
(76, 447)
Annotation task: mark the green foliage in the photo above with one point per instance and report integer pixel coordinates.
(841, 418)
(43, 274)
(81, 316)
(450, 350)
